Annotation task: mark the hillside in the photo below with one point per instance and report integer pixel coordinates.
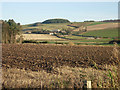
(75, 32)
(75, 26)
(46, 27)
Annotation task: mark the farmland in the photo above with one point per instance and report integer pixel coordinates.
(100, 26)
(56, 45)
(90, 25)
(110, 33)
(100, 32)
(34, 63)
(39, 37)
(62, 55)
(96, 23)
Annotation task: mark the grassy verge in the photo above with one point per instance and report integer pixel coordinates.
(68, 77)
(76, 42)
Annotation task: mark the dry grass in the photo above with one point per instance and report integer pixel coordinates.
(67, 78)
(115, 55)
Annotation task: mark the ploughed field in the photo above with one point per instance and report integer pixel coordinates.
(38, 57)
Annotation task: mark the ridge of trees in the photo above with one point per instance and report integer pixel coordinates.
(117, 20)
(9, 31)
(55, 21)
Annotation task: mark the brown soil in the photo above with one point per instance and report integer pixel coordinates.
(48, 57)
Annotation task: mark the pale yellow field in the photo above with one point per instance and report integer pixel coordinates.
(39, 37)
(102, 26)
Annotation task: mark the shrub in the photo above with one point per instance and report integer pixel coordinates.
(71, 43)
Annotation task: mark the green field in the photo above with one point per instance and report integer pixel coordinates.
(79, 42)
(96, 23)
(74, 37)
(110, 33)
(82, 41)
(94, 40)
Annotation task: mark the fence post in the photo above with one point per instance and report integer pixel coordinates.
(87, 85)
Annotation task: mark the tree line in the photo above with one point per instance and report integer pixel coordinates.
(9, 31)
(117, 20)
(55, 21)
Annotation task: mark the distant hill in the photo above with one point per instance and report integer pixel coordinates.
(35, 24)
(49, 21)
(117, 20)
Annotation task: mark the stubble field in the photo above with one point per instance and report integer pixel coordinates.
(54, 60)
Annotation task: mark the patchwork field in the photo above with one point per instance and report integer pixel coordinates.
(58, 66)
(90, 26)
(97, 32)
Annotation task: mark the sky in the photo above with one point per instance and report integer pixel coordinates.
(31, 12)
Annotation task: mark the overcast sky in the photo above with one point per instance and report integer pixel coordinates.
(31, 12)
